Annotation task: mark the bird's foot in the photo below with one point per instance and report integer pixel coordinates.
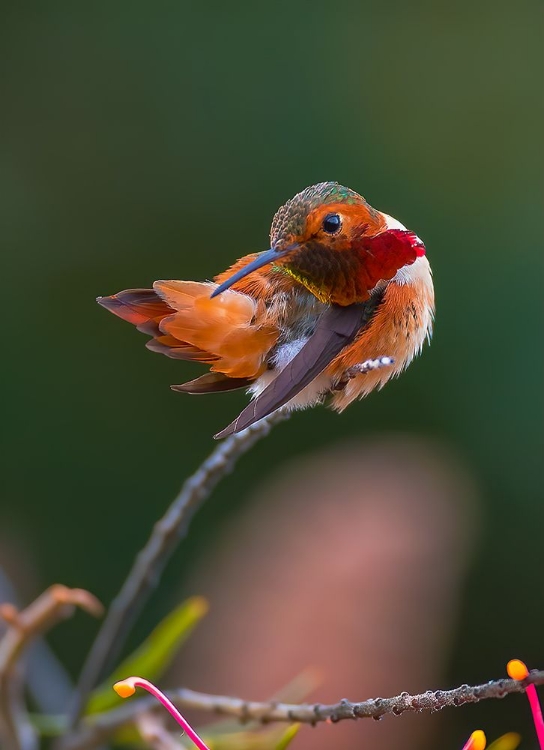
(361, 369)
(368, 366)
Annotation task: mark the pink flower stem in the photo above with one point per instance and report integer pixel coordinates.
(126, 688)
(537, 713)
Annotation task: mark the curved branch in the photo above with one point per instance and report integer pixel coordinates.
(104, 725)
(56, 604)
(149, 563)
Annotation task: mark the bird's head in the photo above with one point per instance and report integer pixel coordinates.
(331, 241)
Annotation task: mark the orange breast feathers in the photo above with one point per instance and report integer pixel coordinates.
(231, 332)
(398, 329)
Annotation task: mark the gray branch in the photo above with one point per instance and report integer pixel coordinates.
(150, 562)
(104, 725)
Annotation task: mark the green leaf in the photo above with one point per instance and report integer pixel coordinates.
(508, 741)
(154, 655)
(49, 725)
(268, 739)
(288, 737)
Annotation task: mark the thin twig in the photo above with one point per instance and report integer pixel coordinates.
(46, 679)
(149, 563)
(105, 724)
(154, 733)
(55, 604)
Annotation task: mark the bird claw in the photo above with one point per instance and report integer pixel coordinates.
(368, 365)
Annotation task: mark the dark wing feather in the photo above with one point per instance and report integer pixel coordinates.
(337, 327)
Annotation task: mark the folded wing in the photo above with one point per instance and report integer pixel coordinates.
(337, 327)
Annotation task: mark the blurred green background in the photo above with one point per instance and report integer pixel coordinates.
(156, 140)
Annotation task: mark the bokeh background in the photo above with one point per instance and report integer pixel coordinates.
(155, 140)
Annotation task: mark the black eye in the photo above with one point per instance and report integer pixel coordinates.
(331, 223)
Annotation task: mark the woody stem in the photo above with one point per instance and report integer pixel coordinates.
(148, 565)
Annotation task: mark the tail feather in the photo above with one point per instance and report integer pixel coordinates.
(141, 307)
(230, 332)
(179, 351)
(212, 382)
(231, 328)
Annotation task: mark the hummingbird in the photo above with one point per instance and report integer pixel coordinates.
(342, 301)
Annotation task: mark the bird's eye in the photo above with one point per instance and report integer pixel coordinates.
(332, 223)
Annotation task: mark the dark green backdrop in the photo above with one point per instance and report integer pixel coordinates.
(155, 140)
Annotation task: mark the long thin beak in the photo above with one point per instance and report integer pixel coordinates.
(263, 259)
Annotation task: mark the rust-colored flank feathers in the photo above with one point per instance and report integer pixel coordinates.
(342, 301)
